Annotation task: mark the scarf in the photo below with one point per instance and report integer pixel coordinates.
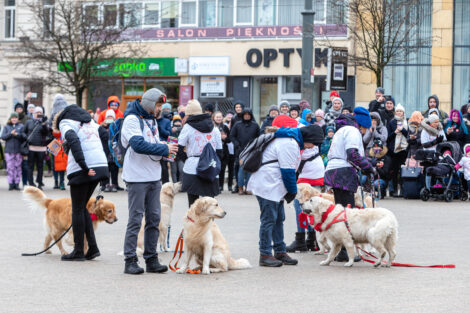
(400, 140)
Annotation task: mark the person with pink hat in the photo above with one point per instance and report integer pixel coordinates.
(464, 164)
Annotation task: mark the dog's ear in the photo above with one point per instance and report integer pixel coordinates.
(323, 205)
(199, 206)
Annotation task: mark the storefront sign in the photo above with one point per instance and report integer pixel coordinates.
(231, 32)
(212, 87)
(209, 66)
(136, 67)
(337, 77)
(185, 94)
(255, 57)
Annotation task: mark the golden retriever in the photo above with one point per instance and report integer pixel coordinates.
(59, 215)
(204, 241)
(377, 227)
(167, 196)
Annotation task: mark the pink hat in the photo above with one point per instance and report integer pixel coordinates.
(320, 112)
(467, 148)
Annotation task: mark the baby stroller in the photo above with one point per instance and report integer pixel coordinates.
(439, 169)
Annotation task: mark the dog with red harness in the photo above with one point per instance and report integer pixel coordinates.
(347, 227)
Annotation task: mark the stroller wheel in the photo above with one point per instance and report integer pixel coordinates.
(464, 196)
(425, 194)
(448, 195)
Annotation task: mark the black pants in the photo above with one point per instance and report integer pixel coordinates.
(230, 166)
(81, 220)
(192, 199)
(223, 165)
(344, 197)
(236, 167)
(113, 171)
(398, 159)
(35, 158)
(165, 175)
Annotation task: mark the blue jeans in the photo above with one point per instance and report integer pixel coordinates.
(298, 210)
(271, 230)
(242, 177)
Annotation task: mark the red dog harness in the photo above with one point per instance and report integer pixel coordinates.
(318, 227)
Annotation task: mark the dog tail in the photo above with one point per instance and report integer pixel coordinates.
(35, 198)
(239, 264)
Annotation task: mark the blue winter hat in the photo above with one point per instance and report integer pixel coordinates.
(329, 128)
(362, 117)
(166, 106)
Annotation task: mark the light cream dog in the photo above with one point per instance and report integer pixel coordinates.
(167, 196)
(377, 227)
(203, 240)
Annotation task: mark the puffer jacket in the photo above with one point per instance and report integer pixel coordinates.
(13, 143)
(243, 132)
(87, 151)
(380, 132)
(37, 132)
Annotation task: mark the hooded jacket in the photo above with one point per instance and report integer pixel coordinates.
(140, 135)
(22, 117)
(13, 143)
(117, 112)
(243, 132)
(442, 115)
(380, 132)
(303, 119)
(268, 122)
(36, 131)
(458, 131)
(237, 116)
(164, 127)
(430, 136)
(82, 136)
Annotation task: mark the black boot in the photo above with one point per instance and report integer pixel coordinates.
(269, 261)
(153, 266)
(343, 256)
(93, 252)
(132, 266)
(286, 259)
(75, 255)
(312, 244)
(16, 187)
(10, 187)
(298, 244)
(56, 185)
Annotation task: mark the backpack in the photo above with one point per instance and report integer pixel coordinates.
(251, 157)
(118, 151)
(302, 164)
(209, 165)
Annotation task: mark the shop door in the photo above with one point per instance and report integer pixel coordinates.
(125, 100)
(268, 95)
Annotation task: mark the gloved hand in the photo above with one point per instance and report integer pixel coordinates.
(440, 139)
(289, 197)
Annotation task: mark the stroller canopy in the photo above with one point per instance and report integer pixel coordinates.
(454, 148)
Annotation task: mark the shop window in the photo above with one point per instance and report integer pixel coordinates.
(10, 18)
(110, 15)
(130, 15)
(48, 12)
(99, 91)
(91, 14)
(292, 84)
(188, 13)
(244, 12)
(170, 86)
(461, 72)
(225, 13)
(207, 13)
(169, 14)
(319, 8)
(289, 12)
(134, 87)
(335, 13)
(265, 12)
(152, 14)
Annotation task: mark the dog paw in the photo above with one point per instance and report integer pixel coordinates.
(377, 264)
(318, 253)
(206, 271)
(386, 265)
(181, 271)
(349, 264)
(48, 252)
(324, 263)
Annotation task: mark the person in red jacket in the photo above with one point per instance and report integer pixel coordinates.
(113, 104)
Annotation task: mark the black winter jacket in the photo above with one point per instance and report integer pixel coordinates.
(37, 132)
(243, 132)
(267, 123)
(13, 143)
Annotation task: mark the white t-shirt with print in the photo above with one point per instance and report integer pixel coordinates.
(465, 164)
(195, 141)
(347, 137)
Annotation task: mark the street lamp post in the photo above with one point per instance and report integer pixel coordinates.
(307, 54)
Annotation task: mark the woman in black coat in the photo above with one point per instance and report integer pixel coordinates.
(218, 119)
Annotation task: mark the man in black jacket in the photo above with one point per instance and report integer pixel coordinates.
(241, 134)
(35, 133)
(379, 101)
(273, 112)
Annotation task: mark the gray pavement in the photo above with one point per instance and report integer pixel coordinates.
(429, 233)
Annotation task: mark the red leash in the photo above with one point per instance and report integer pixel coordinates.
(402, 264)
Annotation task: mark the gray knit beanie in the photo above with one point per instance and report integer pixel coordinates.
(149, 99)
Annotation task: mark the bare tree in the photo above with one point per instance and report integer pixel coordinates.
(70, 41)
(384, 31)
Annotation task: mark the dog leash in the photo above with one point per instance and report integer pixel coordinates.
(179, 246)
(98, 197)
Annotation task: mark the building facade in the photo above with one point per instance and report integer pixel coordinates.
(224, 50)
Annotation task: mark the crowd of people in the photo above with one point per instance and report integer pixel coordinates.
(323, 148)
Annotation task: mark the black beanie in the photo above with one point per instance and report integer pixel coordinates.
(19, 105)
(312, 134)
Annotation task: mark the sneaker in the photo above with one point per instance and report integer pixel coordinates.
(62, 186)
(132, 266)
(154, 266)
(269, 261)
(108, 188)
(286, 259)
(113, 188)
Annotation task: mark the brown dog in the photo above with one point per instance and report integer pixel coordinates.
(59, 215)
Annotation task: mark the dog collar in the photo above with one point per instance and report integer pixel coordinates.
(93, 217)
(189, 219)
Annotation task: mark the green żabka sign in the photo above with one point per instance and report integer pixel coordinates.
(131, 67)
